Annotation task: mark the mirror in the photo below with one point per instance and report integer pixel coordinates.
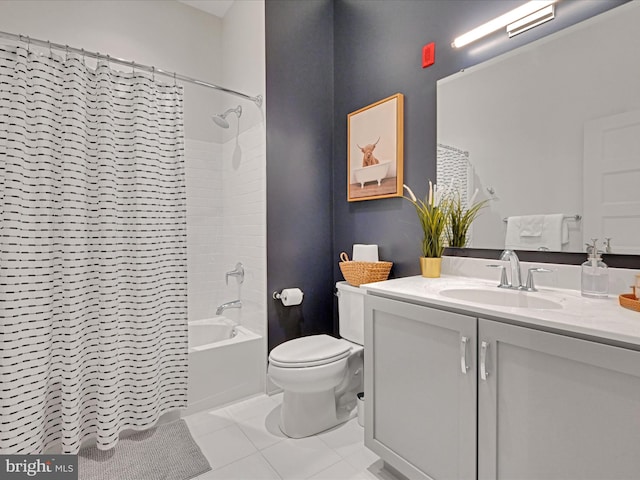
(552, 127)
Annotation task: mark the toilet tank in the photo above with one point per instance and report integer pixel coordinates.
(351, 312)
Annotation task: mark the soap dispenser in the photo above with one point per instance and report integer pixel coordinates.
(595, 275)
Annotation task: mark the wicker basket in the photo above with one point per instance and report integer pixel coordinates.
(357, 273)
(629, 300)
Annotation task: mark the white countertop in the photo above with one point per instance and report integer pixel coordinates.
(603, 319)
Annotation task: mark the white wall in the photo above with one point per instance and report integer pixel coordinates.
(244, 164)
(243, 61)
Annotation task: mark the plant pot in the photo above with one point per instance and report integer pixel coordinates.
(430, 266)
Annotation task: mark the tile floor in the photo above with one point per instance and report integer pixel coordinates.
(242, 441)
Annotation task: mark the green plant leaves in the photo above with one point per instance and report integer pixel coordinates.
(444, 219)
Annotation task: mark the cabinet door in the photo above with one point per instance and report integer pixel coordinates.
(555, 407)
(420, 408)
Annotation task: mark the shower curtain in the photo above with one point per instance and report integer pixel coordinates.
(92, 252)
(453, 165)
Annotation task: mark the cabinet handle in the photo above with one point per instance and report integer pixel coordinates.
(484, 373)
(463, 355)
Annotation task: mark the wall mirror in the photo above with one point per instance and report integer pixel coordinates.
(551, 127)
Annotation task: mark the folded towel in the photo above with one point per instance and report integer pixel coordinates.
(554, 232)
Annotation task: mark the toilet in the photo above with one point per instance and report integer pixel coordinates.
(321, 375)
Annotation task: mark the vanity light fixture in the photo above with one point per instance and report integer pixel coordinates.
(517, 20)
(530, 21)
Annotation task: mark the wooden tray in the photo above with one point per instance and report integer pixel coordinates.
(629, 300)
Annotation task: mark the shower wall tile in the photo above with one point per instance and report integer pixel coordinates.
(226, 224)
(209, 210)
(244, 222)
(203, 235)
(204, 220)
(205, 269)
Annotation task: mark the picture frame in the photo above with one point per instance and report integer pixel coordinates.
(375, 149)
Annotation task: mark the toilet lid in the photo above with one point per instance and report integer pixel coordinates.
(309, 351)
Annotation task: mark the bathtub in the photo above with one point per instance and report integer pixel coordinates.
(225, 363)
(371, 173)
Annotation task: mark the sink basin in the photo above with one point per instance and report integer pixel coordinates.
(501, 298)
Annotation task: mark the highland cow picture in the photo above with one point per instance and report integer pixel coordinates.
(375, 150)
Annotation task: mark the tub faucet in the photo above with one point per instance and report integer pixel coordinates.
(224, 306)
(514, 261)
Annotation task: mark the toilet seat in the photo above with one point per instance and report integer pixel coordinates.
(311, 351)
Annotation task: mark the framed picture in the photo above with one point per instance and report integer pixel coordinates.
(375, 150)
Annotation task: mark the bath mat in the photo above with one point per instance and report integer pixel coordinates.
(165, 452)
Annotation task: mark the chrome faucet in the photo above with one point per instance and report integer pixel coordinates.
(224, 306)
(516, 282)
(514, 261)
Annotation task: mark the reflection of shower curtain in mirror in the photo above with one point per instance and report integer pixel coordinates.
(92, 252)
(453, 164)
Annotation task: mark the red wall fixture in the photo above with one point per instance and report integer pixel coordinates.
(428, 55)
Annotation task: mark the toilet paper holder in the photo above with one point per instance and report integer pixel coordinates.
(289, 296)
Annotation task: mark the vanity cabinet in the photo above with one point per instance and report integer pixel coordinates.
(420, 412)
(556, 407)
(516, 402)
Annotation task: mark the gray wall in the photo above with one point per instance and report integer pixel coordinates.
(299, 55)
(353, 53)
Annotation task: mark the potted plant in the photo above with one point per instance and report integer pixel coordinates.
(433, 213)
(461, 218)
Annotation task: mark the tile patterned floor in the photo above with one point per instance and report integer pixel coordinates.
(243, 441)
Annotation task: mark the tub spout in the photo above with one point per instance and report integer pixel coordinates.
(224, 306)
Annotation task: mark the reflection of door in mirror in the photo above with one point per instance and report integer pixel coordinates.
(612, 180)
(521, 116)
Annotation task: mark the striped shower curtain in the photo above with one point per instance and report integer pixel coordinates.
(93, 327)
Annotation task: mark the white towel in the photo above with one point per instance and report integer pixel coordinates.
(530, 225)
(521, 232)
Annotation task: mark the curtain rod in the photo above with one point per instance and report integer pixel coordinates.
(176, 76)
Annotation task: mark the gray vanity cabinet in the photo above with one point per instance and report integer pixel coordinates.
(420, 407)
(509, 403)
(555, 407)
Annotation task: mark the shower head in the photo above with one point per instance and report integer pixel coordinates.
(221, 118)
(220, 121)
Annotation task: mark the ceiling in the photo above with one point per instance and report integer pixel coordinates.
(219, 8)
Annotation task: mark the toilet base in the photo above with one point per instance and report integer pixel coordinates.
(305, 414)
